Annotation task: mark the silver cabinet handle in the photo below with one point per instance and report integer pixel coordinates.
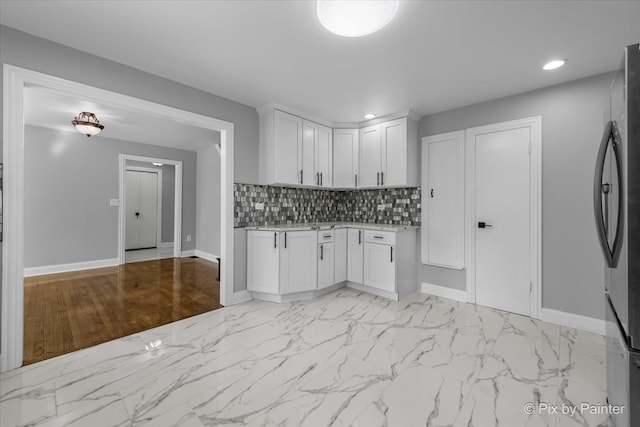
(321, 252)
(275, 240)
(378, 237)
(320, 179)
(381, 178)
(359, 237)
(378, 178)
(432, 193)
(285, 240)
(301, 176)
(356, 180)
(391, 253)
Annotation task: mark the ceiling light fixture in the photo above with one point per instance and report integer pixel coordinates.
(554, 65)
(157, 164)
(369, 116)
(87, 123)
(356, 18)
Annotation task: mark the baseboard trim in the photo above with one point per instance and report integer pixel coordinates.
(241, 296)
(298, 296)
(165, 245)
(187, 254)
(74, 266)
(206, 255)
(570, 320)
(443, 292)
(379, 292)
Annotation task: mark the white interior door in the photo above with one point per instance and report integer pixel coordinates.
(141, 209)
(502, 219)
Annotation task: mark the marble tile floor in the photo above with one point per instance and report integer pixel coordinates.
(345, 359)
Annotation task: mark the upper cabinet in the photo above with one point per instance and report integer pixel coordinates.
(345, 158)
(388, 154)
(297, 151)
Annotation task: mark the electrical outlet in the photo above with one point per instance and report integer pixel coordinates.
(259, 206)
(381, 207)
(188, 237)
(114, 202)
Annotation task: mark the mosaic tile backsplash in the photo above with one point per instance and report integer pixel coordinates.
(284, 205)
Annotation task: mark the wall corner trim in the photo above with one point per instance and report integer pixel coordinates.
(570, 320)
(443, 291)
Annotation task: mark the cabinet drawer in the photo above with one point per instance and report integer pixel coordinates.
(384, 237)
(325, 236)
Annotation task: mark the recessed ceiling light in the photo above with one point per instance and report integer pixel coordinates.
(355, 18)
(553, 65)
(369, 116)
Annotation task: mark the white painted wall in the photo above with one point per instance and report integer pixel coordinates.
(208, 203)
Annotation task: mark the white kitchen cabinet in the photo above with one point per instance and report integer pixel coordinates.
(370, 162)
(310, 176)
(298, 265)
(443, 200)
(355, 255)
(340, 259)
(326, 265)
(345, 158)
(282, 262)
(324, 156)
(388, 154)
(379, 268)
(263, 261)
(389, 263)
(287, 148)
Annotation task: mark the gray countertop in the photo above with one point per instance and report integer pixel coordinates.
(333, 225)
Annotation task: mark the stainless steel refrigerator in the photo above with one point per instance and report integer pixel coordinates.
(617, 211)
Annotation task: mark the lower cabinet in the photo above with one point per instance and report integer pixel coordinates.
(379, 268)
(340, 262)
(326, 266)
(355, 255)
(282, 262)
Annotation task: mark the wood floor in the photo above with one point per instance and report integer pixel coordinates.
(69, 311)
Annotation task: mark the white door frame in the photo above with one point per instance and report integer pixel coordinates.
(535, 206)
(14, 81)
(177, 204)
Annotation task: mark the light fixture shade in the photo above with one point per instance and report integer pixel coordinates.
(554, 65)
(87, 123)
(356, 18)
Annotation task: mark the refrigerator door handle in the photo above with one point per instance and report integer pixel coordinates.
(611, 254)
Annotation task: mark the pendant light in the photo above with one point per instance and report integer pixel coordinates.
(87, 123)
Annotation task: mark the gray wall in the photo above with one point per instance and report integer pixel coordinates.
(68, 183)
(572, 118)
(168, 198)
(208, 202)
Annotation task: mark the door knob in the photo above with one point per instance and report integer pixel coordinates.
(482, 224)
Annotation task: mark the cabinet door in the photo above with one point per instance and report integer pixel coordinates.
(309, 144)
(345, 158)
(324, 156)
(326, 266)
(298, 261)
(379, 266)
(394, 152)
(443, 200)
(287, 141)
(355, 256)
(340, 243)
(370, 162)
(263, 261)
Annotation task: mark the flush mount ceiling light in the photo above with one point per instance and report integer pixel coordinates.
(157, 164)
(87, 123)
(554, 65)
(369, 116)
(355, 18)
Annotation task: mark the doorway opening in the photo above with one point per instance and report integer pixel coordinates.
(16, 81)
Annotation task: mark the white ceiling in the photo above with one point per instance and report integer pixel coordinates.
(54, 110)
(434, 56)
